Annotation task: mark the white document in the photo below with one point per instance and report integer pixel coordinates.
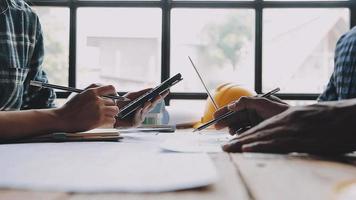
(102, 167)
(209, 142)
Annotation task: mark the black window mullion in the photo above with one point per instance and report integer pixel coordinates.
(72, 43)
(306, 4)
(213, 4)
(89, 3)
(166, 33)
(353, 14)
(258, 46)
(285, 96)
(165, 46)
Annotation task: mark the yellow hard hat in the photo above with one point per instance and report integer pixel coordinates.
(224, 94)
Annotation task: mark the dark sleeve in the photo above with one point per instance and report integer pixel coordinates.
(34, 97)
(329, 94)
(342, 84)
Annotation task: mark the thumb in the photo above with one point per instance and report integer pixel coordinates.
(106, 90)
(93, 85)
(241, 104)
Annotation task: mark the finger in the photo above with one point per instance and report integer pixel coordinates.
(154, 103)
(276, 99)
(223, 123)
(111, 111)
(139, 118)
(130, 122)
(240, 104)
(238, 120)
(165, 94)
(236, 143)
(277, 145)
(232, 146)
(280, 145)
(150, 107)
(253, 103)
(109, 122)
(232, 131)
(106, 90)
(156, 100)
(221, 111)
(107, 101)
(237, 130)
(264, 126)
(135, 95)
(265, 134)
(265, 108)
(93, 85)
(121, 104)
(147, 107)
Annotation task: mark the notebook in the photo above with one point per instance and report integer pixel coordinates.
(111, 135)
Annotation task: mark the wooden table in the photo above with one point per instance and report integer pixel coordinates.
(244, 176)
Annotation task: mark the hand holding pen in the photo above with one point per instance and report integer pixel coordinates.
(248, 112)
(105, 100)
(240, 114)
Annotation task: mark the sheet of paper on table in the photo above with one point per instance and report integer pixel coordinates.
(132, 165)
(208, 141)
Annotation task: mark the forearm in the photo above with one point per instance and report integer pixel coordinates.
(21, 124)
(344, 106)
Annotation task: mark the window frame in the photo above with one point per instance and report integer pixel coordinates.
(167, 6)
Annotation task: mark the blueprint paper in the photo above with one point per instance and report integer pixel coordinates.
(128, 166)
(209, 142)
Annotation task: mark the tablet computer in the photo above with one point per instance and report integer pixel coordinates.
(140, 101)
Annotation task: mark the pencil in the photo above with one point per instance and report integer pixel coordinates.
(226, 115)
(71, 89)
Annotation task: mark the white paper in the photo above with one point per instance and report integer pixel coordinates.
(189, 142)
(133, 165)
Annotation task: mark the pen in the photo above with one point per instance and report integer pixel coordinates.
(71, 89)
(226, 115)
(202, 81)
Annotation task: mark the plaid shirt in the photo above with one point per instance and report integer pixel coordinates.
(21, 57)
(342, 84)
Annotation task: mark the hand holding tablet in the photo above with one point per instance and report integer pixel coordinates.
(151, 94)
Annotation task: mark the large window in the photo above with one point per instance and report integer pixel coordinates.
(298, 47)
(221, 46)
(132, 44)
(119, 46)
(55, 26)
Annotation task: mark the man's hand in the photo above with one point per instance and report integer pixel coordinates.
(136, 118)
(249, 112)
(88, 110)
(325, 128)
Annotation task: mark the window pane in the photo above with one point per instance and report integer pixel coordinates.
(220, 42)
(213, 0)
(119, 46)
(306, 0)
(298, 47)
(119, 0)
(55, 26)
